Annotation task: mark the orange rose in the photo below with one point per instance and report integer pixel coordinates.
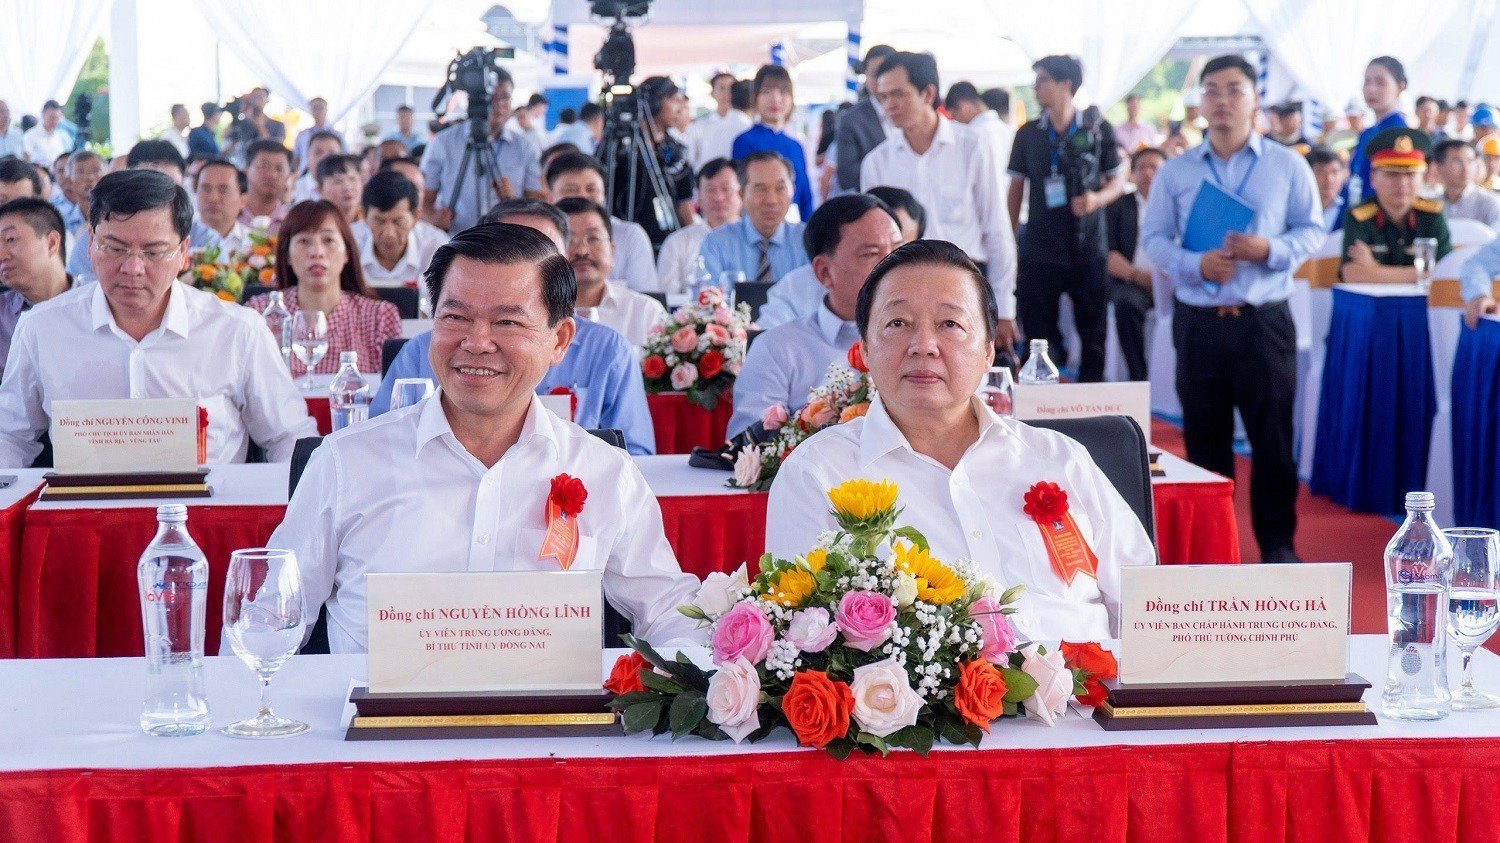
(854, 411)
(266, 275)
(980, 695)
(1098, 662)
(816, 415)
(625, 676)
(817, 708)
(710, 364)
(262, 250)
(226, 296)
(654, 366)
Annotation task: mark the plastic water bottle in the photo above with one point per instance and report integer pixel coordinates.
(1417, 569)
(348, 394)
(279, 320)
(1039, 368)
(424, 301)
(173, 577)
(699, 278)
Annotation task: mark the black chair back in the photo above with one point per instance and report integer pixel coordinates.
(404, 298)
(754, 294)
(389, 350)
(662, 298)
(253, 290)
(301, 453)
(613, 436)
(1118, 447)
(44, 459)
(616, 625)
(750, 336)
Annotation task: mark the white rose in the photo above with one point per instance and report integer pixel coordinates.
(747, 467)
(715, 596)
(261, 223)
(257, 262)
(684, 376)
(1054, 685)
(905, 592)
(883, 699)
(811, 630)
(733, 698)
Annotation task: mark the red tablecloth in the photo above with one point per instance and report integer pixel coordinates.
(682, 426)
(1382, 790)
(1195, 523)
(317, 407)
(11, 520)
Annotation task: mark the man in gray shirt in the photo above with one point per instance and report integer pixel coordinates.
(1454, 160)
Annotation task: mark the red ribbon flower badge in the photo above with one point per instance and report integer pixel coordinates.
(564, 503)
(1047, 504)
(857, 358)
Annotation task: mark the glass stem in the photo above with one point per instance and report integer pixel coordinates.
(265, 691)
(1468, 670)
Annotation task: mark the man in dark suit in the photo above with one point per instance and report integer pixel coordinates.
(861, 128)
(1129, 270)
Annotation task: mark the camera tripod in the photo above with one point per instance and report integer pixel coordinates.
(480, 152)
(627, 136)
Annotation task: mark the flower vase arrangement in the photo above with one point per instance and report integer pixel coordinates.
(698, 349)
(226, 274)
(866, 642)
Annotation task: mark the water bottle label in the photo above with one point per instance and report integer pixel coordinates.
(1411, 660)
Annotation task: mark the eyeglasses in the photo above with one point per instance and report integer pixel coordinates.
(119, 254)
(592, 241)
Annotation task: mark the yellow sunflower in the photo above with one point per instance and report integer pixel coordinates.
(816, 559)
(936, 583)
(863, 499)
(792, 587)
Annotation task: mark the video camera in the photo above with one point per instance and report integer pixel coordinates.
(83, 117)
(477, 74)
(1081, 154)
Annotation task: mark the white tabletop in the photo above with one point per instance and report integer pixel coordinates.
(671, 476)
(256, 484)
(1178, 471)
(27, 480)
(1383, 290)
(82, 713)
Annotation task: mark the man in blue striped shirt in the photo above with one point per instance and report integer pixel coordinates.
(762, 245)
(1236, 347)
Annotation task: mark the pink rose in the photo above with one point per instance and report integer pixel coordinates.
(739, 334)
(999, 635)
(685, 339)
(684, 376)
(774, 417)
(681, 314)
(865, 619)
(723, 315)
(656, 329)
(734, 698)
(717, 334)
(811, 630)
(743, 632)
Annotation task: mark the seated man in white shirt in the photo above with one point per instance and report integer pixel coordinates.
(927, 319)
(719, 203)
(591, 253)
(321, 144)
(341, 183)
(139, 333)
(582, 176)
(220, 188)
(466, 473)
(846, 237)
(394, 246)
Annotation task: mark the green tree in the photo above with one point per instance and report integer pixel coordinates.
(93, 80)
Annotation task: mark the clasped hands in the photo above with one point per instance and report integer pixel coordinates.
(1217, 265)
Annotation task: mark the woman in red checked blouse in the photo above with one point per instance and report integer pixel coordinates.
(317, 265)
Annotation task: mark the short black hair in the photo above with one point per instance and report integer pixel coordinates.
(567, 116)
(960, 92)
(713, 167)
(901, 199)
(1228, 61)
(579, 205)
(589, 111)
(403, 107)
(558, 149)
(771, 74)
(1323, 154)
(239, 175)
(81, 156)
(998, 99)
(1461, 104)
(1440, 152)
(14, 169)
(1392, 66)
(51, 104)
(723, 74)
(921, 71)
(528, 208)
(742, 166)
(572, 162)
(536, 99)
(926, 253)
(879, 51)
(43, 218)
(1062, 68)
(325, 134)
(654, 91)
(507, 243)
(129, 192)
(386, 189)
(1144, 151)
(266, 146)
(156, 152)
(176, 107)
(1424, 99)
(825, 228)
(335, 164)
(740, 96)
(210, 110)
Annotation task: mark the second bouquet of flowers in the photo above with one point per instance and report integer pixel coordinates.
(698, 349)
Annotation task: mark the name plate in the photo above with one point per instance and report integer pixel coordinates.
(1232, 623)
(1038, 402)
(120, 436)
(505, 631)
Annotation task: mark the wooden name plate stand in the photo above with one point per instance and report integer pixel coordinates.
(1225, 705)
(127, 486)
(489, 714)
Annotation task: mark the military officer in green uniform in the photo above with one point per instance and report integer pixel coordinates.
(1379, 235)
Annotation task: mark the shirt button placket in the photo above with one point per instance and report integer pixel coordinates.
(486, 518)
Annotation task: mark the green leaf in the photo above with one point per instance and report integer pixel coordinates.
(642, 717)
(916, 738)
(840, 748)
(872, 741)
(686, 712)
(693, 612)
(625, 701)
(655, 681)
(952, 730)
(1019, 685)
(913, 535)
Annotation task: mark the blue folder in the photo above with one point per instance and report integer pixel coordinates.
(1215, 213)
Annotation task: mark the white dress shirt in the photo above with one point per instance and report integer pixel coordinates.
(178, 140)
(799, 293)
(635, 262)
(1000, 136)
(1477, 204)
(206, 349)
(43, 147)
(679, 254)
(11, 142)
(400, 494)
(976, 511)
(305, 189)
(712, 136)
(236, 242)
(421, 243)
(786, 362)
(957, 181)
(630, 313)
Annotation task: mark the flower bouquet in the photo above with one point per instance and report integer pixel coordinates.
(867, 642)
(209, 271)
(843, 395)
(698, 349)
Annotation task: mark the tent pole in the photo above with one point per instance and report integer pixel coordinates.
(124, 76)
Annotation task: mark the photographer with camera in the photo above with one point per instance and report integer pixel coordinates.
(517, 170)
(1071, 163)
(664, 102)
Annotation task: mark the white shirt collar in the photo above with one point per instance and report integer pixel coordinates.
(828, 323)
(945, 135)
(175, 319)
(408, 258)
(880, 435)
(432, 423)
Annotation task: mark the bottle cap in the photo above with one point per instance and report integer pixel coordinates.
(173, 512)
(1420, 501)
(349, 358)
(1038, 344)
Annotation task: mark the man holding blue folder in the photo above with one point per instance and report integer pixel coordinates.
(1227, 223)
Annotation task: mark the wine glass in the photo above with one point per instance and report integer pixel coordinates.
(998, 391)
(1424, 260)
(408, 391)
(309, 341)
(1473, 600)
(729, 281)
(263, 622)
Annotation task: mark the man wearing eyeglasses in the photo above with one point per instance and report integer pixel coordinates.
(1236, 347)
(592, 255)
(139, 333)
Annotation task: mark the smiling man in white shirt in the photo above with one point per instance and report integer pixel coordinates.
(952, 172)
(591, 253)
(927, 320)
(139, 333)
(460, 481)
